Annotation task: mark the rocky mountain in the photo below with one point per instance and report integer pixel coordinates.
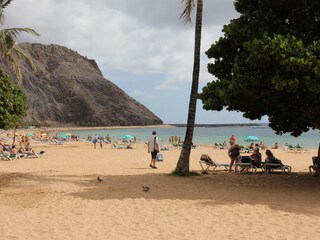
(68, 89)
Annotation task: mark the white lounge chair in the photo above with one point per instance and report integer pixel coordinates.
(35, 155)
(271, 167)
(206, 163)
(245, 164)
(313, 167)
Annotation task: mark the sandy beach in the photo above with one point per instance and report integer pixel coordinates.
(58, 197)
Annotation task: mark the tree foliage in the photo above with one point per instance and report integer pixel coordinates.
(8, 47)
(268, 63)
(13, 102)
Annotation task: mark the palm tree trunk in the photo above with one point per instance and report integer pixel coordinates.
(182, 167)
(317, 172)
(14, 133)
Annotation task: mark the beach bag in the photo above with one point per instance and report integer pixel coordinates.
(159, 157)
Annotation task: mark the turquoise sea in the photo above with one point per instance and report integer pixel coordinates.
(210, 135)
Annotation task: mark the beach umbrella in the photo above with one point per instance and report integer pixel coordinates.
(127, 137)
(30, 134)
(64, 135)
(251, 139)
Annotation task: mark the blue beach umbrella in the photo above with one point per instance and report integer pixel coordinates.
(251, 139)
(127, 137)
(30, 134)
(64, 135)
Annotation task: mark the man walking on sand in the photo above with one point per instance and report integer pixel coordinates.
(153, 148)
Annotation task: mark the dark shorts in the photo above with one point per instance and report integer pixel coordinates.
(234, 152)
(154, 155)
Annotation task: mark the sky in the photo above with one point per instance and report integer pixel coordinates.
(140, 45)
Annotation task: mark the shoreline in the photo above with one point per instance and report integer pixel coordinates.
(57, 129)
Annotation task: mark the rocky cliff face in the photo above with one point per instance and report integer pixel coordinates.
(69, 90)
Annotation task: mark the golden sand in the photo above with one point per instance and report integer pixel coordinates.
(58, 197)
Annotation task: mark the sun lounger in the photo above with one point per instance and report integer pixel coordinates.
(35, 155)
(164, 147)
(115, 146)
(271, 167)
(13, 156)
(218, 146)
(206, 163)
(5, 156)
(313, 167)
(245, 165)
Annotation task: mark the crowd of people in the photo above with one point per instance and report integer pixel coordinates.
(23, 148)
(255, 157)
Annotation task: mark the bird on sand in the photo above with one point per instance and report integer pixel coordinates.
(99, 179)
(145, 189)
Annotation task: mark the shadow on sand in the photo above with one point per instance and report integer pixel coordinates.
(298, 193)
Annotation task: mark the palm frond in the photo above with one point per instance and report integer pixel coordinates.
(14, 66)
(15, 32)
(3, 4)
(8, 37)
(189, 6)
(21, 55)
(7, 42)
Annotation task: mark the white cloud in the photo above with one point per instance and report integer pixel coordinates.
(141, 37)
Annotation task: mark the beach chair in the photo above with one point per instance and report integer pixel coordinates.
(313, 167)
(218, 146)
(271, 167)
(206, 163)
(115, 146)
(245, 165)
(164, 147)
(11, 157)
(35, 155)
(4, 156)
(290, 148)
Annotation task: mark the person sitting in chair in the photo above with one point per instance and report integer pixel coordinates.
(256, 157)
(13, 150)
(271, 158)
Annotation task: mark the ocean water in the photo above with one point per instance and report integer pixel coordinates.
(210, 135)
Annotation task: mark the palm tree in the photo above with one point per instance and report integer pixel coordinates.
(8, 48)
(182, 167)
